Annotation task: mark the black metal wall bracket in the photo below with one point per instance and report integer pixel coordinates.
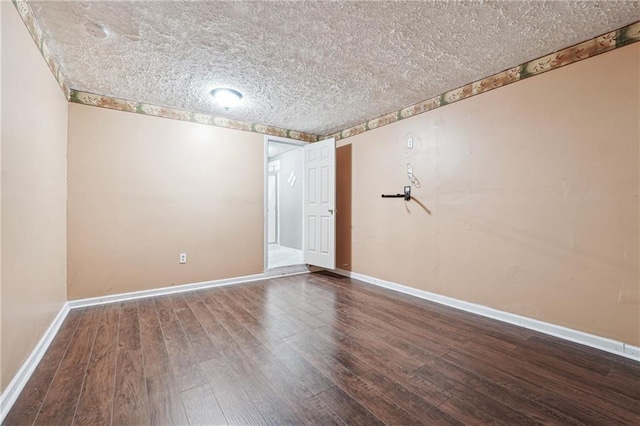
(406, 195)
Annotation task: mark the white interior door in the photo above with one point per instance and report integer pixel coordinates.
(272, 213)
(320, 204)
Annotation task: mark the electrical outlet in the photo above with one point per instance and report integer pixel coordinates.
(183, 257)
(410, 143)
(410, 173)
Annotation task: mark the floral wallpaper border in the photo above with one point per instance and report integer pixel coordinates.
(25, 12)
(102, 101)
(72, 95)
(587, 49)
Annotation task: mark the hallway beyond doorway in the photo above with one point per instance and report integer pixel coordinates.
(284, 256)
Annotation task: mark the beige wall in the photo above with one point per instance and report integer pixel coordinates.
(34, 190)
(531, 192)
(144, 189)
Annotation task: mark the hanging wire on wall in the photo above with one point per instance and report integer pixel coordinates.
(412, 178)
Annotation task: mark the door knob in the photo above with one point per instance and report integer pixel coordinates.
(331, 211)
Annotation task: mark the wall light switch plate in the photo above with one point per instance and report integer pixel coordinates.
(183, 257)
(410, 143)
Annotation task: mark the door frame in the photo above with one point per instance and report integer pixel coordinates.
(276, 176)
(265, 179)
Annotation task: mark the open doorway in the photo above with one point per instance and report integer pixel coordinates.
(284, 203)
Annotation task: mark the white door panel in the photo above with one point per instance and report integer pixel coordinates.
(319, 203)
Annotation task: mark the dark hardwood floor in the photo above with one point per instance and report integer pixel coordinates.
(316, 349)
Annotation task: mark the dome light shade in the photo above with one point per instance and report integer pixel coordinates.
(226, 98)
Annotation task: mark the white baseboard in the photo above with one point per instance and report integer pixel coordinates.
(121, 297)
(11, 393)
(591, 340)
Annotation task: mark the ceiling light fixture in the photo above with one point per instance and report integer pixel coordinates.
(227, 98)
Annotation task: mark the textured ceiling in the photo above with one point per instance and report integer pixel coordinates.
(316, 67)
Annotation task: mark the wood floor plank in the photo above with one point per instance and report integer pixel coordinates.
(27, 406)
(282, 377)
(352, 347)
(178, 346)
(260, 391)
(219, 335)
(267, 332)
(234, 402)
(387, 310)
(422, 351)
(366, 351)
(528, 386)
(330, 360)
(577, 353)
(164, 309)
(284, 290)
(467, 414)
(154, 352)
(261, 334)
(420, 307)
(345, 318)
(259, 294)
(472, 397)
(165, 401)
(258, 301)
(81, 344)
(292, 310)
(203, 347)
(202, 408)
(336, 322)
(347, 408)
(423, 406)
(297, 382)
(314, 411)
(336, 370)
(297, 368)
(576, 377)
(382, 406)
(183, 359)
(413, 334)
(59, 405)
(543, 348)
(130, 402)
(94, 409)
(484, 383)
(129, 330)
(58, 348)
(101, 372)
(627, 377)
(614, 405)
(234, 327)
(268, 320)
